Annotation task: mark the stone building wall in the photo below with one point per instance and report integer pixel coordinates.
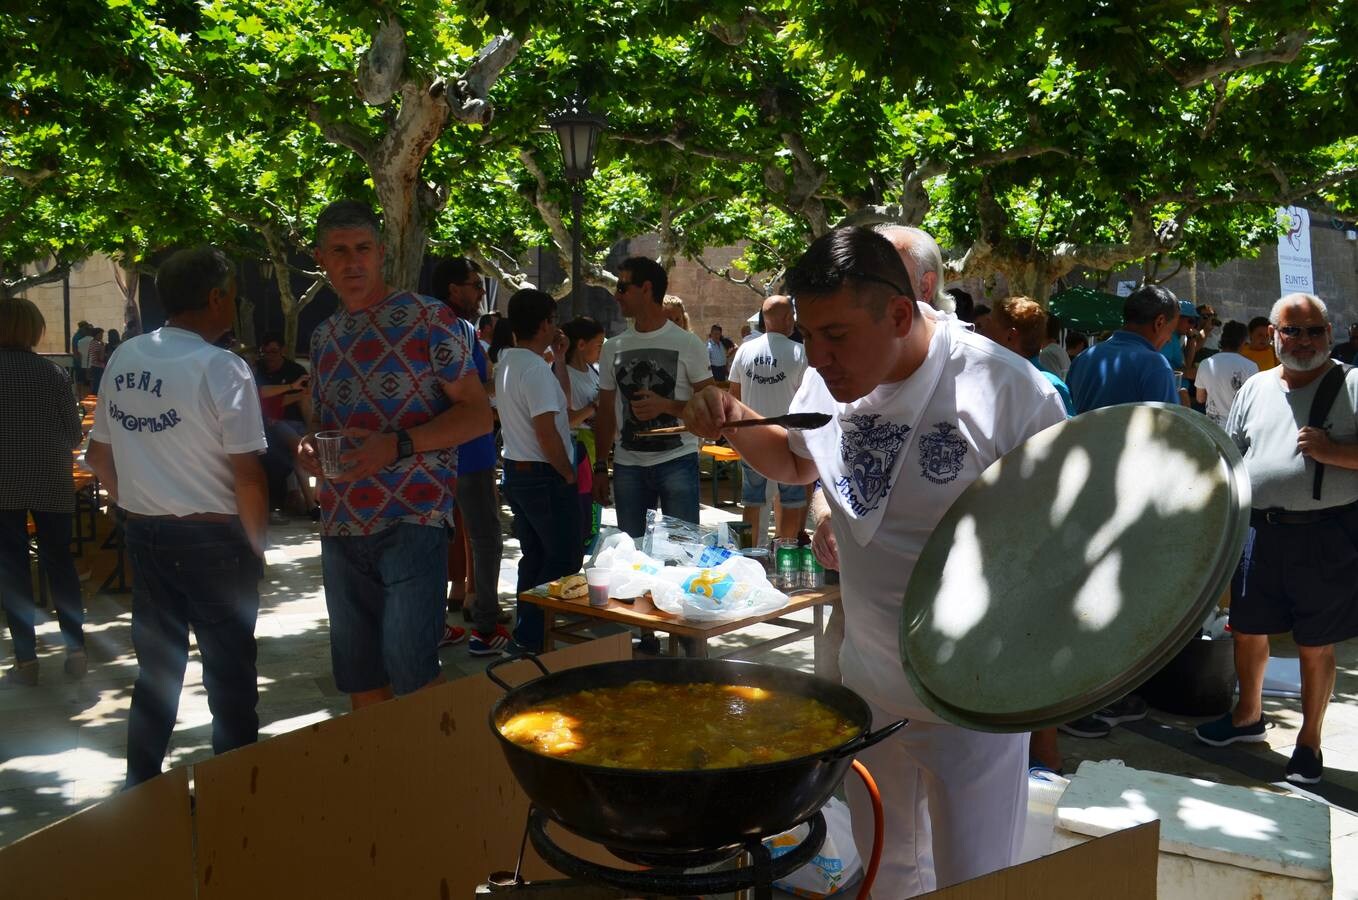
(95, 297)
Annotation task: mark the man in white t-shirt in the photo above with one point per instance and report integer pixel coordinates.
(1223, 373)
(646, 375)
(539, 467)
(176, 442)
(921, 407)
(765, 376)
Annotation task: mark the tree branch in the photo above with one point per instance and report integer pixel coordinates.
(679, 142)
(725, 275)
(381, 65)
(513, 280)
(343, 134)
(12, 287)
(1284, 51)
(470, 97)
(26, 177)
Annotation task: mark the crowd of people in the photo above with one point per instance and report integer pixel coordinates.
(429, 398)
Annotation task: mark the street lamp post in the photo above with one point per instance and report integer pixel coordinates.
(578, 130)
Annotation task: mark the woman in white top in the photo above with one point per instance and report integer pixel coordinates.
(585, 339)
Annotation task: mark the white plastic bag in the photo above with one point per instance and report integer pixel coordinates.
(736, 589)
(833, 869)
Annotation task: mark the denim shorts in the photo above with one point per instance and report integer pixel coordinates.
(386, 593)
(754, 487)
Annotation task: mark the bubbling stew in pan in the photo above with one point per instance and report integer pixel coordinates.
(653, 725)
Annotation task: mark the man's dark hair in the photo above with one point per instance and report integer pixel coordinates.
(528, 309)
(644, 269)
(185, 280)
(96, 331)
(1075, 339)
(714, 328)
(488, 319)
(964, 304)
(853, 255)
(457, 270)
(1258, 321)
(271, 337)
(347, 214)
(1148, 301)
(1233, 334)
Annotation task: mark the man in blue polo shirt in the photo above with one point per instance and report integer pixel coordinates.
(457, 281)
(1128, 367)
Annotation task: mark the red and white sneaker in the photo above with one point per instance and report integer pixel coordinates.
(489, 644)
(452, 635)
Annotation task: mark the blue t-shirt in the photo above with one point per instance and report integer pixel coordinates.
(478, 454)
(1057, 383)
(1174, 352)
(1123, 369)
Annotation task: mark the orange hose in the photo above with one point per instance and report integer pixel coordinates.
(878, 826)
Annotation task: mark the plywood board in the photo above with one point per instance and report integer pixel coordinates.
(1120, 866)
(410, 798)
(136, 845)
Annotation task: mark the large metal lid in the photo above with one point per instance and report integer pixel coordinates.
(1074, 567)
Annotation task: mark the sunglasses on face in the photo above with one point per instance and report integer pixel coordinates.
(623, 286)
(1296, 331)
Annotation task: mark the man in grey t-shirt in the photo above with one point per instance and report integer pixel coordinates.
(1299, 572)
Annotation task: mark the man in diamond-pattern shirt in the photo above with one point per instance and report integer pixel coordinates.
(392, 370)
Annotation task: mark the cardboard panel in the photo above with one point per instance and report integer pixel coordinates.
(1119, 866)
(410, 798)
(136, 845)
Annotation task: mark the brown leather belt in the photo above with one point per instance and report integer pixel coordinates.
(224, 518)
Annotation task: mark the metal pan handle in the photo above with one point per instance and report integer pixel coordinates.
(505, 660)
(864, 741)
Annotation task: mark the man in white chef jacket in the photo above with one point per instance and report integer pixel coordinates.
(921, 407)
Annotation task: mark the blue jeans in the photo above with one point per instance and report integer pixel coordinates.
(673, 484)
(16, 581)
(480, 510)
(386, 594)
(202, 574)
(547, 524)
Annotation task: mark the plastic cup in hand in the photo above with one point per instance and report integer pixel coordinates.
(598, 581)
(329, 447)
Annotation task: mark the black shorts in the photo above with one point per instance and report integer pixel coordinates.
(1299, 578)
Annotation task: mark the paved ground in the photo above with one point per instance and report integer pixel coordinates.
(62, 743)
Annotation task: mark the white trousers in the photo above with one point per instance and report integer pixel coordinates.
(954, 801)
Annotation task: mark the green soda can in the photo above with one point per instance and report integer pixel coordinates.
(787, 565)
(813, 573)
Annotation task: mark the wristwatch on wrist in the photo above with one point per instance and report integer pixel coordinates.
(601, 467)
(404, 445)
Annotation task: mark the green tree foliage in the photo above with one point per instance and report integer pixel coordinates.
(1032, 138)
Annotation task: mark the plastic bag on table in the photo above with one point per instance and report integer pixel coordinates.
(672, 540)
(736, 589)
(838, 864)
(634, 573)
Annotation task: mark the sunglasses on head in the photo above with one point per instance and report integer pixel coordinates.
(1296, 331)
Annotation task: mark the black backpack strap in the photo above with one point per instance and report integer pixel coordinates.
(1320, 411)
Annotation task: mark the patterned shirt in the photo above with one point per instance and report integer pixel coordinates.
(384, 368)
(41, 426)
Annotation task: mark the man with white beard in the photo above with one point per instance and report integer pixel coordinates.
(1299, 572)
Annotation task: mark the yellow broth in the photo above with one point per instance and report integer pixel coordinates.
(650, 725)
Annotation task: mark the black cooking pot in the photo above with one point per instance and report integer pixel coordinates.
(683, 811)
